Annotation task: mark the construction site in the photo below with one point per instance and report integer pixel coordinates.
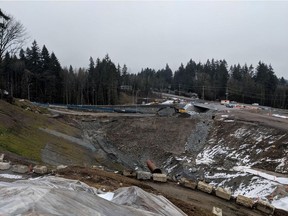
(202, 157)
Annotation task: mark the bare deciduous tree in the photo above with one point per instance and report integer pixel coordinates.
(12, 37)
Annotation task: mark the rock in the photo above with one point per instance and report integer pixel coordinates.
(245, 201)
(222, 193)
(1, 157)
(205, 187)
(188, 183)
(20, 168)
(265, 207)
(5, 165)
(129, 173)
(217, 211)
(141, 175)
(159, 177)
(40, 169)
(61, 167)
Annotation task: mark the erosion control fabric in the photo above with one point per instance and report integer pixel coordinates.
(59, 196)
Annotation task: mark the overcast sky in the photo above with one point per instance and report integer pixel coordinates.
(153, 33)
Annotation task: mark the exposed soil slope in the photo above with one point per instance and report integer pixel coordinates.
(22, 134)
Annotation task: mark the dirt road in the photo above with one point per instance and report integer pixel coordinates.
(203, 200)
(257, 117)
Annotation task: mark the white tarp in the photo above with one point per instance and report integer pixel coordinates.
(140, 199)
(59, 196)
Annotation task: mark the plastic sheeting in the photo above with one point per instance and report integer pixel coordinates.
(140, 199)
(59, 196)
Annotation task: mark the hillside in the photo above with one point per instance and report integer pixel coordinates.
(23, 135)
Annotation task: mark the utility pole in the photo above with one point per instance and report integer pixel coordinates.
(203, 91)
(227, 93)
(29, 91)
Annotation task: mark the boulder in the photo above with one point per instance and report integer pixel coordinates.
(5, 165)
(222, 193)
(40, 169)
(265, 207)
(245, 201)
(205, 187)
(217, 211)
(20, 169)
(129, 173)
(141, 175)
(59, 167)
(159, 177)
(188, 183)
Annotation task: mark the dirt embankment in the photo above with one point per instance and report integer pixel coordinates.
(131, 141)
(25, 134)
(259, 138)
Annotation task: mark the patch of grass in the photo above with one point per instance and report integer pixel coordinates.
(24, 138)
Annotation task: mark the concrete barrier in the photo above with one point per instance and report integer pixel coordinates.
(141, 175)
(5, 165)
(265, 207)
(245, 201)
(188, 183)
(205, 187)
(222, 193)
(217, 211)
(159, 177)
(1, 157)
(129, 173)
(40, 169)
(20, 168)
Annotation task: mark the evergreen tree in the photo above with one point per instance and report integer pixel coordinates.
(266, 82)
(45, 59)
(33, 57)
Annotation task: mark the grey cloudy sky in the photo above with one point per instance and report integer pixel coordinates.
(153, 33)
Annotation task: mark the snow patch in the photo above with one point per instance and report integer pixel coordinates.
(206, 157)
(169, 170)
(281, 180)
(258, 188)
(280, 116)
(281, 165)
(185, 158)
(281, 203)
(168, 102)
(261, 137)
(9, 176)
(239, 133)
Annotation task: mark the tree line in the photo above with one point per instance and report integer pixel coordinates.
(37, 75)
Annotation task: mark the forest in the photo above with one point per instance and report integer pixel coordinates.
(36, 74)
